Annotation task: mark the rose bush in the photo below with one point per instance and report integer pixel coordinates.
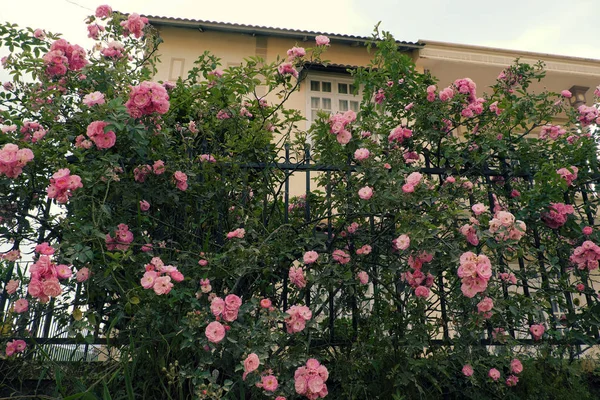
(453, 221)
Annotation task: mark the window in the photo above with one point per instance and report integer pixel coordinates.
(330, 94)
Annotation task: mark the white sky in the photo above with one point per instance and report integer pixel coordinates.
(567, 27)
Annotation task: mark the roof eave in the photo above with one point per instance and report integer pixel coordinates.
(264, 31)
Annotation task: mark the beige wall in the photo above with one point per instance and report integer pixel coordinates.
(446, 61)
(182, 46)
(449, 61)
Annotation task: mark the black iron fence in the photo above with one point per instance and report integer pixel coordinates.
(337, 310)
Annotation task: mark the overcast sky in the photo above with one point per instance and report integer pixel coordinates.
(547, 26)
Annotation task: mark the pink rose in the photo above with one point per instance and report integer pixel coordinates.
(361, 154)
(363, 277)
(148, 279)
(103, 11)
(310, 257)
(82, 275)
(296, 276)
(35, 288)
(414, 178)
(162, 285)
(467, 370)
(537, 330)
(215, 332)
(485, 305)
(93, 98)
(159, 167)
(217, 306)
(402, 242)
(177, 276)
(494, 374)
(51, 287)
(12, 286)
(512, 380)
(21, 306)
(408, 188)
(144, 205)
(344, 137)
(44, 248)
(516, 367)
(566, 93)
(251, 363)
(479, 208)
(422, 291)
(233, 301)
(12, 255)
(266, 303)
(269, 383)
(63, 271)
(322, 40)
(365, 193)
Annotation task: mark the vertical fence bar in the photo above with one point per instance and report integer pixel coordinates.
(307, 204)
(286, 218)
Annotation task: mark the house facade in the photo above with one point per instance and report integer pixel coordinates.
(328, 88)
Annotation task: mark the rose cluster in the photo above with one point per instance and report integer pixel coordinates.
(113, 50)
(64, 56)
(147, 98)
(412, 181)
(287, 68)
(62, 185)
(557, 215)
(568, 174)
(102, 140)
(15, 346)
(504, 227)
(416, 278)
(338, 123)
(158, 276)
(475, 272)
(469, 231)
(134, 25)
(586, 256)
(45, 274)
(180, 179)
(13, 159)
(296, 321)
(398, 134)
(309, 380)
(296, 275)
(121, 241)
(227, 309)
(341, 256)
(32, 131)
(551, 132)
(587, 115)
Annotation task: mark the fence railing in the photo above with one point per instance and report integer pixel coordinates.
(337, 309)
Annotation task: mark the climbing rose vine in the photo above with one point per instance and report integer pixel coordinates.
(152, 220)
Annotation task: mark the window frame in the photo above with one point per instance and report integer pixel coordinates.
(335, 80)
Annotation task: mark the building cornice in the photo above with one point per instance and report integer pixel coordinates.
(254, 30)
(501, 58)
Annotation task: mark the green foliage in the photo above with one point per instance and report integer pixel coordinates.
(378, 341)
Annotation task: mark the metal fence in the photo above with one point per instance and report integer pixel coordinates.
(334, 308)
